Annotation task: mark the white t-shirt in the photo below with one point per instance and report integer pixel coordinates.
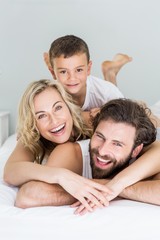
(98, 92)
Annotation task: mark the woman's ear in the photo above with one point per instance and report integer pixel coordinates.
(137, 150)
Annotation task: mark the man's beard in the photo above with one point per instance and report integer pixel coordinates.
(116, 166)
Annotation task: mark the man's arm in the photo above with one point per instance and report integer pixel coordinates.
(36, 193)
(147, 191)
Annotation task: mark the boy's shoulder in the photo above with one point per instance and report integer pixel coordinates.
(96, 82)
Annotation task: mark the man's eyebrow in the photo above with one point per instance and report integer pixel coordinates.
(52, 107)
(114, 140)
(117, 141)
(99, 133)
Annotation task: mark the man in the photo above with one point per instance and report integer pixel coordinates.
(121, 130)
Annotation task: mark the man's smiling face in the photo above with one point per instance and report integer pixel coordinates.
(111, 147)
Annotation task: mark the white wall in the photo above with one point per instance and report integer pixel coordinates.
(108, 26)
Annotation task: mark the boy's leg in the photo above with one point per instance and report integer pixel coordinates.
(111, 68)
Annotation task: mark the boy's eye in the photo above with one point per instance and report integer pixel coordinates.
(79, 70)
(63, 71)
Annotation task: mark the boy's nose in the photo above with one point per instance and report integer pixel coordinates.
(72, 75)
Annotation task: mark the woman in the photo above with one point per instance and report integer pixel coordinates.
(48, 117)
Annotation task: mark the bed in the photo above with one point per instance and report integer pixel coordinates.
(122, 220)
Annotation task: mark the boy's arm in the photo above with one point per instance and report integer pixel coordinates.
(88, 116)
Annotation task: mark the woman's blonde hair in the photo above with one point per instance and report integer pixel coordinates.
(27, 129)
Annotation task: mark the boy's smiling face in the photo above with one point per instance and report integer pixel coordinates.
(72, 72)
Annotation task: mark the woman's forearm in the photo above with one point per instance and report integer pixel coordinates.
(21, 172)
(145, 166)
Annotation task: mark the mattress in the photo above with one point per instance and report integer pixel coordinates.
(121, 220)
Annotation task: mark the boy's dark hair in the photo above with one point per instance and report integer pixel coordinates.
(131, 113)
(68, 46)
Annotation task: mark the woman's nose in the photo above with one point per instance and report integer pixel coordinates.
(53, 119)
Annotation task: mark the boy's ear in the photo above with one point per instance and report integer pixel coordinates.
(47, 62)
(137, 150)
(89, 67)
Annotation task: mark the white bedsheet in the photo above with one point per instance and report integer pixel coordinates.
(122, 220)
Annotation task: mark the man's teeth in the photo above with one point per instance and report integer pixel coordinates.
(102, 160)
(59, 128)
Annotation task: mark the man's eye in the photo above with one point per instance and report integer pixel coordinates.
(118, 144)
(99, 136)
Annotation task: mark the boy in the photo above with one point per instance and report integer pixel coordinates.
(69, 62)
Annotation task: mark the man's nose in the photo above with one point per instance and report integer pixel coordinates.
(105, 149)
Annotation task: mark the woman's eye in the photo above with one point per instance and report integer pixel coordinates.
(57, 108)
(41, 116)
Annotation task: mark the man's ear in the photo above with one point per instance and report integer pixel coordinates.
(137, 150)
(89, 68)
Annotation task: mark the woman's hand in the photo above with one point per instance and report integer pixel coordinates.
(115, 191)
(86, 191)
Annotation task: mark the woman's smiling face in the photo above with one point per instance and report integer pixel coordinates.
(53, 118)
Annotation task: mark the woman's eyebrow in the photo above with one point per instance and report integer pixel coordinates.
(44, 111)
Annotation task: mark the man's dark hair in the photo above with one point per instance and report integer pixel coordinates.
(67, 46)
(131, 113)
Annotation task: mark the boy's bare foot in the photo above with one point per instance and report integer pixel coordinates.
(111, 68)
